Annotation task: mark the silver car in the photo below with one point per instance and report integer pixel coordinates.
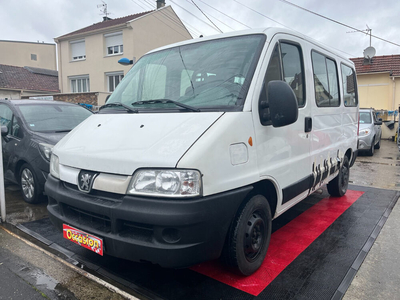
(370, 131)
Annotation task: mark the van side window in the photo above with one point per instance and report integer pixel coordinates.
(326, 83)
(286, 64)
(293, 70)
(349, 86)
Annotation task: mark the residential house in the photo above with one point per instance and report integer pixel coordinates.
(379, 87)
(21, 54)
(18, 82)
(88, 57)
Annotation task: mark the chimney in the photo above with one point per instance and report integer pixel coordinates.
(106, 19)
(160, 3)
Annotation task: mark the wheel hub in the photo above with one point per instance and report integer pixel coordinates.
(254, 236)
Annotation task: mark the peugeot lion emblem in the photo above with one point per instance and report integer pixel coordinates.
(85, 180)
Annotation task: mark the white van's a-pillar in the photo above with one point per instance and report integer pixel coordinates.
(2, 194)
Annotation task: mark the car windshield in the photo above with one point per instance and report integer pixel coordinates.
(53, 117)
(210, 75)
(365, 118)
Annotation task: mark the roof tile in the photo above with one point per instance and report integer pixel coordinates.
(107, 23)
(13, 77)
(385, 63)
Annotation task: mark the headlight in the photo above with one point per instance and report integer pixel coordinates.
(45, 150)
(364, 132)
(54, 166)
(166, 183)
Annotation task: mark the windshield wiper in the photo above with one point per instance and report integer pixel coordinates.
(191, 108)
(129, 109)
(65, 130)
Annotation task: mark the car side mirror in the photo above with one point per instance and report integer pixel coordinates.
(378, 123)
(282, 103)
(4, 130)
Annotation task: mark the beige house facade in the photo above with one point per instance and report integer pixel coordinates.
(88, 58)
(378, 82)
(22, 54)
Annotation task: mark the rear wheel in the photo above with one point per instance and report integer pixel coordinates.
(378, 145)
(372, 149)
(249, 236)
(338, 186)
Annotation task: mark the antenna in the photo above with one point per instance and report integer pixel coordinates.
(104, 10)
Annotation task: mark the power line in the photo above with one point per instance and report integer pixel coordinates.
(351, 55)
(215, 18)
(193, 15)
(261, 14)
(160, 19)
(206, 16)
(224, 14)
(337, 22)
(170, 17)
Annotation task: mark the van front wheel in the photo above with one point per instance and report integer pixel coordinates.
(338, 186)
(249, 236)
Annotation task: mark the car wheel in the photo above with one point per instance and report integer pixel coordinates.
(378, 145)
(337, 187)
(29, 185)
(248, 238)
(372, 149)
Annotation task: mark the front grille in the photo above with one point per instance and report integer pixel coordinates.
(107, 197)
(96, 221)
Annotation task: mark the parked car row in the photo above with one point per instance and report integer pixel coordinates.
(30, 129)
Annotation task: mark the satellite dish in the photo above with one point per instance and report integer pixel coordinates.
(369, 52)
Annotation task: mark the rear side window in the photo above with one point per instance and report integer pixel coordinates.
(326, 83)
(349, 86)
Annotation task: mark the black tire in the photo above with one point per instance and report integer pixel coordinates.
(378, 145)
(29, 184)
(248, 237)
(372, 149)
(338, 186)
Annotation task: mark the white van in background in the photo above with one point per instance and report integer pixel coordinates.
(203, 144)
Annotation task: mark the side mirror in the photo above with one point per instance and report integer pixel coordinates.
(4, 131)
(378, 123)
(282, 103)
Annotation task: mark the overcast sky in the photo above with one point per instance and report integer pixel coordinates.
(43, 20)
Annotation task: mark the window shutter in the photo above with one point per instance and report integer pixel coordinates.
(113, 39)
(78, 48)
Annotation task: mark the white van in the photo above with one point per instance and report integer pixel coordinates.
(202, 145)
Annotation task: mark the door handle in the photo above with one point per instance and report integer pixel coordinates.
(307, 124)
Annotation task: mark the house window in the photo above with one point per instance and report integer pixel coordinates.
(113, 80)
(114, 43)
(79, 84)
(33, 57)
(78, 50)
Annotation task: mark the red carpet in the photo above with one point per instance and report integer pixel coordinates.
(286, 244)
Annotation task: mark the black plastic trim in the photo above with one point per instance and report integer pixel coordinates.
(297, 188)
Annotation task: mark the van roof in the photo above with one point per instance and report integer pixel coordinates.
(269, 32)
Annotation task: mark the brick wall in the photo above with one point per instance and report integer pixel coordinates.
(87, 98)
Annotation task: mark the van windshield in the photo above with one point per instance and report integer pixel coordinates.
(365, 118)
(212, 75)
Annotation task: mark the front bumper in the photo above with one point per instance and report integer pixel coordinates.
(169, 232)
(365, 142)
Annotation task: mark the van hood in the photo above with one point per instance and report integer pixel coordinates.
(122, 143)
